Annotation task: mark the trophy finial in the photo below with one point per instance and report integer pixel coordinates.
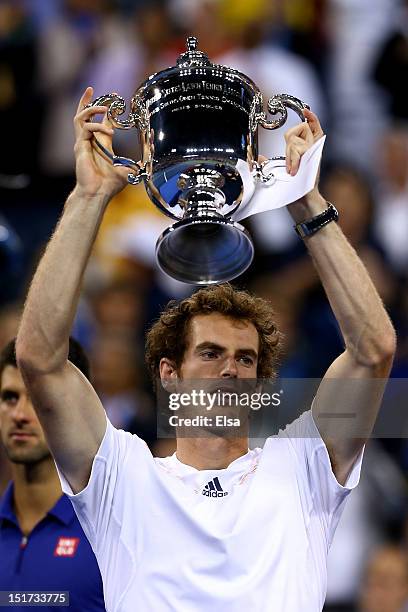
(193, 57)
(192, 43)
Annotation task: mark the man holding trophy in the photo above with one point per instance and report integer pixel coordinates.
(215, 526)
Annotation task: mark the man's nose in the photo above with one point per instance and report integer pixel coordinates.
(20, 412)
(229, 368)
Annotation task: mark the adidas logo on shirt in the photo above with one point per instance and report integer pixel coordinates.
(214, 489)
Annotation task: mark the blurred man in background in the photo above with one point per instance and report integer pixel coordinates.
(385, 584)
(42, 545)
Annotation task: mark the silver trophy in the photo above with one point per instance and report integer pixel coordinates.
(198, 129)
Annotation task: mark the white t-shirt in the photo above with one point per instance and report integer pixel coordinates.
(251, 537)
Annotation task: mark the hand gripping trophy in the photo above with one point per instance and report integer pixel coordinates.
(198, 129)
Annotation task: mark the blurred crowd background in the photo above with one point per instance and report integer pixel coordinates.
(349, 60)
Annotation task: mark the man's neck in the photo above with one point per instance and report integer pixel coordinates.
(36, 490)
(210, 453)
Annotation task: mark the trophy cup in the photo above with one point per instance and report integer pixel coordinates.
(198, 130)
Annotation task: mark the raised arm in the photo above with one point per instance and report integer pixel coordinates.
(348, 399)
(67, 406)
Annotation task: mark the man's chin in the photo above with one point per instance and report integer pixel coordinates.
(27, 456)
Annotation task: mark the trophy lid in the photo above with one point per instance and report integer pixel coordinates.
(193, 57)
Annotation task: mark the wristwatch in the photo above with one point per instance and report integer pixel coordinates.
(307, 228)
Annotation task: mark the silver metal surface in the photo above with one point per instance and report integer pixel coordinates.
(193, 57)
(261, 169)
(279, 104)
(197, 127)
(116, 105)
(205, 250)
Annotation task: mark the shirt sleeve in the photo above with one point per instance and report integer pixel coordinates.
(327, 495)
(101, 502)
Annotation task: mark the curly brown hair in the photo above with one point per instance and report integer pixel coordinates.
(168, 337)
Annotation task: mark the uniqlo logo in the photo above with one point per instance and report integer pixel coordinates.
(66, 547)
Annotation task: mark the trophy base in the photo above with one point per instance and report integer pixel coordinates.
(204, 251)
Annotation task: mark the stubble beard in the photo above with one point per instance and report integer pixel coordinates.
(28, 456)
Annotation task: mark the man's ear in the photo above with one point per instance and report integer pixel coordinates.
(167, 368)
(168, 374)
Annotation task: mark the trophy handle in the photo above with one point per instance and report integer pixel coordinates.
(279, 104)
(261, 172)
(117, 106)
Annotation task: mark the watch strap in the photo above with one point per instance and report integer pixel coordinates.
(307, 228)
